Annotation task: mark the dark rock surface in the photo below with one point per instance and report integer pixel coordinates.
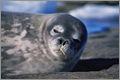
(100, 60)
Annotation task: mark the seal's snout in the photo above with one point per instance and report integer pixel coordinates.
(63, 41)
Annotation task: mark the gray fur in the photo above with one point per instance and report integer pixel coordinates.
(27, 43)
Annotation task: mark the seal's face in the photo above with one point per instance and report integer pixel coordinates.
(66, 38)
(60, 42)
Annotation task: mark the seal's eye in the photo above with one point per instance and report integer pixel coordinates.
(55, 31)
(76, 41)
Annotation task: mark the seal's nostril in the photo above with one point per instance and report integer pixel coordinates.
(60, 41)
(64, 43)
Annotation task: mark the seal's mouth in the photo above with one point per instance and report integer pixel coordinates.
(59, 51)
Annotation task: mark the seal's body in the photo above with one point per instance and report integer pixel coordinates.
(32, 43)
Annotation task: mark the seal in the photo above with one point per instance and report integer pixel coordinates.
(40, 43)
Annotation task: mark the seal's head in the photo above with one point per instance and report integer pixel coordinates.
(66, 36)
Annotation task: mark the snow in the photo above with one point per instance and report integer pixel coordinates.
(95, 11)
(97, 17)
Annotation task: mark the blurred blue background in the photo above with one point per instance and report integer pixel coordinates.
(97, 16)
(29, 6)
